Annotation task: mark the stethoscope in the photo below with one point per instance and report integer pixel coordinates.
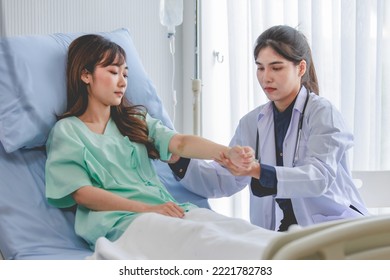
(299, 134)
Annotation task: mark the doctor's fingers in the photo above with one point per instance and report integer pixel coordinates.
(239, 157)
(249, 154)
(246, 153)
(241, 163)
(233, 168)
(248, 150)
(243, 150)
(222, 159)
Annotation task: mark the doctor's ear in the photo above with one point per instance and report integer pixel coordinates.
(85, 76)
(302, 68)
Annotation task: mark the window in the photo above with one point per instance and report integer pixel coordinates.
(349, 40)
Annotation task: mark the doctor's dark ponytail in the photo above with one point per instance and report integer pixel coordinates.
(293, 46)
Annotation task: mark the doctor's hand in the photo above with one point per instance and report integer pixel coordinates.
(240, 156)
(252, 169)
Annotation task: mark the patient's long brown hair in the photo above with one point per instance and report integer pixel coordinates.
(85, 53)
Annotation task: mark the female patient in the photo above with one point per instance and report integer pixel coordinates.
(99, 157)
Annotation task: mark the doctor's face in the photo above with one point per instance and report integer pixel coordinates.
(279, 78)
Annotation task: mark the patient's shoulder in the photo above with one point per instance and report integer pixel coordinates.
(70, 127)
(68, 123)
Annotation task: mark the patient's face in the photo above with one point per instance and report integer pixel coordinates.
(279, 77)
(107, 85)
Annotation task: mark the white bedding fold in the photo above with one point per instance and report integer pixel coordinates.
(202, 234)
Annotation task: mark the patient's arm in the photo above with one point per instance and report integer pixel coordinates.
(101, 200)
(191, 146)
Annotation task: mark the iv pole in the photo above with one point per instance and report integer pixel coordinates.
(196, 82)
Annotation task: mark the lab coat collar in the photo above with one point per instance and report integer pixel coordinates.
(301, 99)
(265, 110)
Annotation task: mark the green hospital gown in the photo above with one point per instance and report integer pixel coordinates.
(79, 157)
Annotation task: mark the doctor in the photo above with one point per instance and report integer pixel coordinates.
(301, 142)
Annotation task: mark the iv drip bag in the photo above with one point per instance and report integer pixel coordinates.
(171, 14)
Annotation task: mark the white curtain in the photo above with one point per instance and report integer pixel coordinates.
(350, 44)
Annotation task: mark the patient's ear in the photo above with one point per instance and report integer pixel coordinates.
(85, 76)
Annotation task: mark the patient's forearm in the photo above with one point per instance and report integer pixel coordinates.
(101, 200)
(191, 146)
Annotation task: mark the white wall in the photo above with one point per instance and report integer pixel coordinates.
(141, 17)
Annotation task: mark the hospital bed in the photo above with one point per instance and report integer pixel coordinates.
(32, 93)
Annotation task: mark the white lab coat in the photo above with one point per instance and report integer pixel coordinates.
(320, 185)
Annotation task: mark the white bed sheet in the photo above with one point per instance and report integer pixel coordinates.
(202, 234)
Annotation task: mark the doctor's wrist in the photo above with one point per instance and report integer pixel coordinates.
(255, 169)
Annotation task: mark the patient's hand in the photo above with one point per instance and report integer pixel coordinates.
(168, 209)
(241, 157)
(250, 168)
